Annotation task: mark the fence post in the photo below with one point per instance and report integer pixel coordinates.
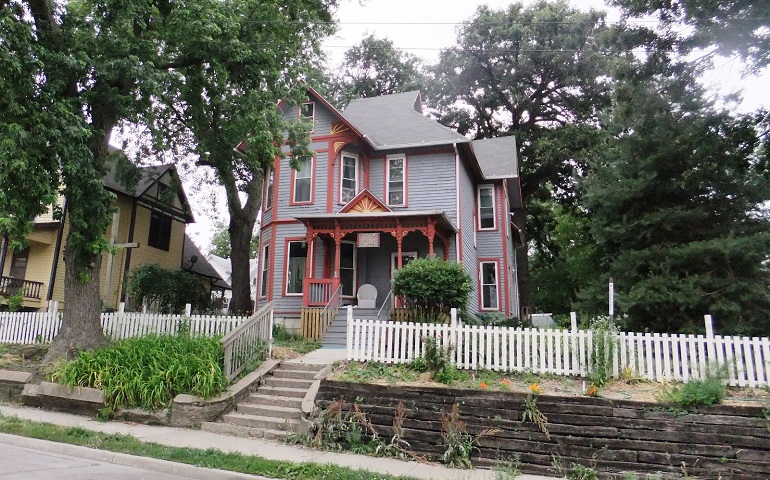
(144, 309)
(710, 343)
(575, 367)
(122, 308)
(349, 333)
(270, 336)
(188, 310)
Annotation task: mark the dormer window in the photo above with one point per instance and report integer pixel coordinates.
(348, 177)
(307, 113)
(396, 181)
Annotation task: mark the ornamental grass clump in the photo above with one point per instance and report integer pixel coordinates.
(149, 372)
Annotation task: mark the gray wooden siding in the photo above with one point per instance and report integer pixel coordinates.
(431, 183)
(283, 192)
(323, 117)
(377, 178)
(282, 303)
(468, 227)
(490, 243)
(265, 235)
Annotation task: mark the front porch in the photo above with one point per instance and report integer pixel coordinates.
(345, 251)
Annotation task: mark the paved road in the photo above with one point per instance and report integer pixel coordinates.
(22, 463)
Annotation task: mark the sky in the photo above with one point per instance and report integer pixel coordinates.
(423, 28)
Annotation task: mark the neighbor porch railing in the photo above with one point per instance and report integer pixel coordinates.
(12, 286)
(248, 341)
(316, 320)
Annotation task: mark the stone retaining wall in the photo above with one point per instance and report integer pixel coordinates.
(12, 384)
(617, 436)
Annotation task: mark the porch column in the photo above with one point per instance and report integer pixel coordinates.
(399, 239)
(431, 235)
(337, 244)
(310, 240)
(446, 248)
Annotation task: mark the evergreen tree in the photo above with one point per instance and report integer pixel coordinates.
(678, 208)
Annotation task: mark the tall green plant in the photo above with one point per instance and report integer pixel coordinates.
(605, 341)
(433, 286)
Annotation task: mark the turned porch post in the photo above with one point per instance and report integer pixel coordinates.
(431, 235)
(310, 240)
(337, 244)
(399, 239)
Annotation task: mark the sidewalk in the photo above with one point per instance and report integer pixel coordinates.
(180, 437)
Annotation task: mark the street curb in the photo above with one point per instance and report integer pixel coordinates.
(126, 460)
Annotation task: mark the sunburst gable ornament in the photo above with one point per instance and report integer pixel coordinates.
(366, 205)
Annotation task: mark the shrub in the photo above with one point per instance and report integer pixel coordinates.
(168, 290)
(433, 286)
(149, 372)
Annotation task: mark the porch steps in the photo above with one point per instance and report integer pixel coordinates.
(274, 410)
(336, 334)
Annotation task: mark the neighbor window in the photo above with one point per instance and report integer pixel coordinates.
(486, 202)
(270, 178)
(263, 276)
(489, 296)
(295, 266)
(307, 113)
(396, 181)
(160, 230)
(303, 178)
(348, 177)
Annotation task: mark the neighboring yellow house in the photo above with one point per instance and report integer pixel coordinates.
(144, 229)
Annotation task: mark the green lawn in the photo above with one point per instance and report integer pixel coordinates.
(234, 462)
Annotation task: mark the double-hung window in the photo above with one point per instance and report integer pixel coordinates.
(396, 181)
(295, 266)
(263, 273)
(486, 204)
(489, 291)
(160, 230)
(348, 177)
(307, 113)
(303, 181)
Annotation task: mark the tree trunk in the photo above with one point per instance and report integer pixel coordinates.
(240, 239)
(522, 260)
(81, 327)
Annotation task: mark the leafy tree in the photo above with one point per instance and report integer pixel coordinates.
(167, 290)
(210, 71)
(676, 206)
(223, 93)
(220, 242)
(372, 68)
(538, 72)
(735, 27)
(433, 285)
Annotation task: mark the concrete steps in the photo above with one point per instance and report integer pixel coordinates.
(274, 410)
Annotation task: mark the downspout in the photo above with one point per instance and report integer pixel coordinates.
(457, 201)
(56, 251)
(128, 251)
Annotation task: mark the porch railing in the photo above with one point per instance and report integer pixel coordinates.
(319, 291)
(12, 286)
(251, 339)
(316, 320)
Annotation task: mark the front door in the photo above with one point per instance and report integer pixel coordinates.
(348, 262)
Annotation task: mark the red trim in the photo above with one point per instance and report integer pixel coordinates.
(386, 183)
(334, 111)
(312, 185)
(364, 193)
(494, 205)
(277, 167)
(286, 241)
(497, 277)
(331, 160)
(503, 213)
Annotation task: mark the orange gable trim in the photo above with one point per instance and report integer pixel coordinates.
(365, 202)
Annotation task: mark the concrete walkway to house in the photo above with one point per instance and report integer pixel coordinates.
(181, 437)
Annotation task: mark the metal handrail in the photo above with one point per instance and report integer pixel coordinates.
(333, 307)
(385, 302)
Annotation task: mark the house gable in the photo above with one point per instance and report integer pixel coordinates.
(365, 202)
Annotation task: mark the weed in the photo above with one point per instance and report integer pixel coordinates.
(436, 356)
(509, 469)
(766, 413)
(695, 393)
(575, 471)
(284, 338)
(605, 339)
(449, 374)
(458, 442)
(531, 411)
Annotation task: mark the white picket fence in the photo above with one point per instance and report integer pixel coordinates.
(652, 356)
(36, 327)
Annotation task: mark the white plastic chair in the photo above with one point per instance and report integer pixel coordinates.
(367, 296)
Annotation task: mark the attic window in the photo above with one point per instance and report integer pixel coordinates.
(160, 231)
(307, 113)
(486, 205)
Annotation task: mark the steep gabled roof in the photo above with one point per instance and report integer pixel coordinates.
(395, 121)
(201, 266)
(497, 157)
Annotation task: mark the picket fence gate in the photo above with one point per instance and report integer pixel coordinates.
(38, 327)
(650, 356)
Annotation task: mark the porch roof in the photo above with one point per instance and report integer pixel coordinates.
(345, 219)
